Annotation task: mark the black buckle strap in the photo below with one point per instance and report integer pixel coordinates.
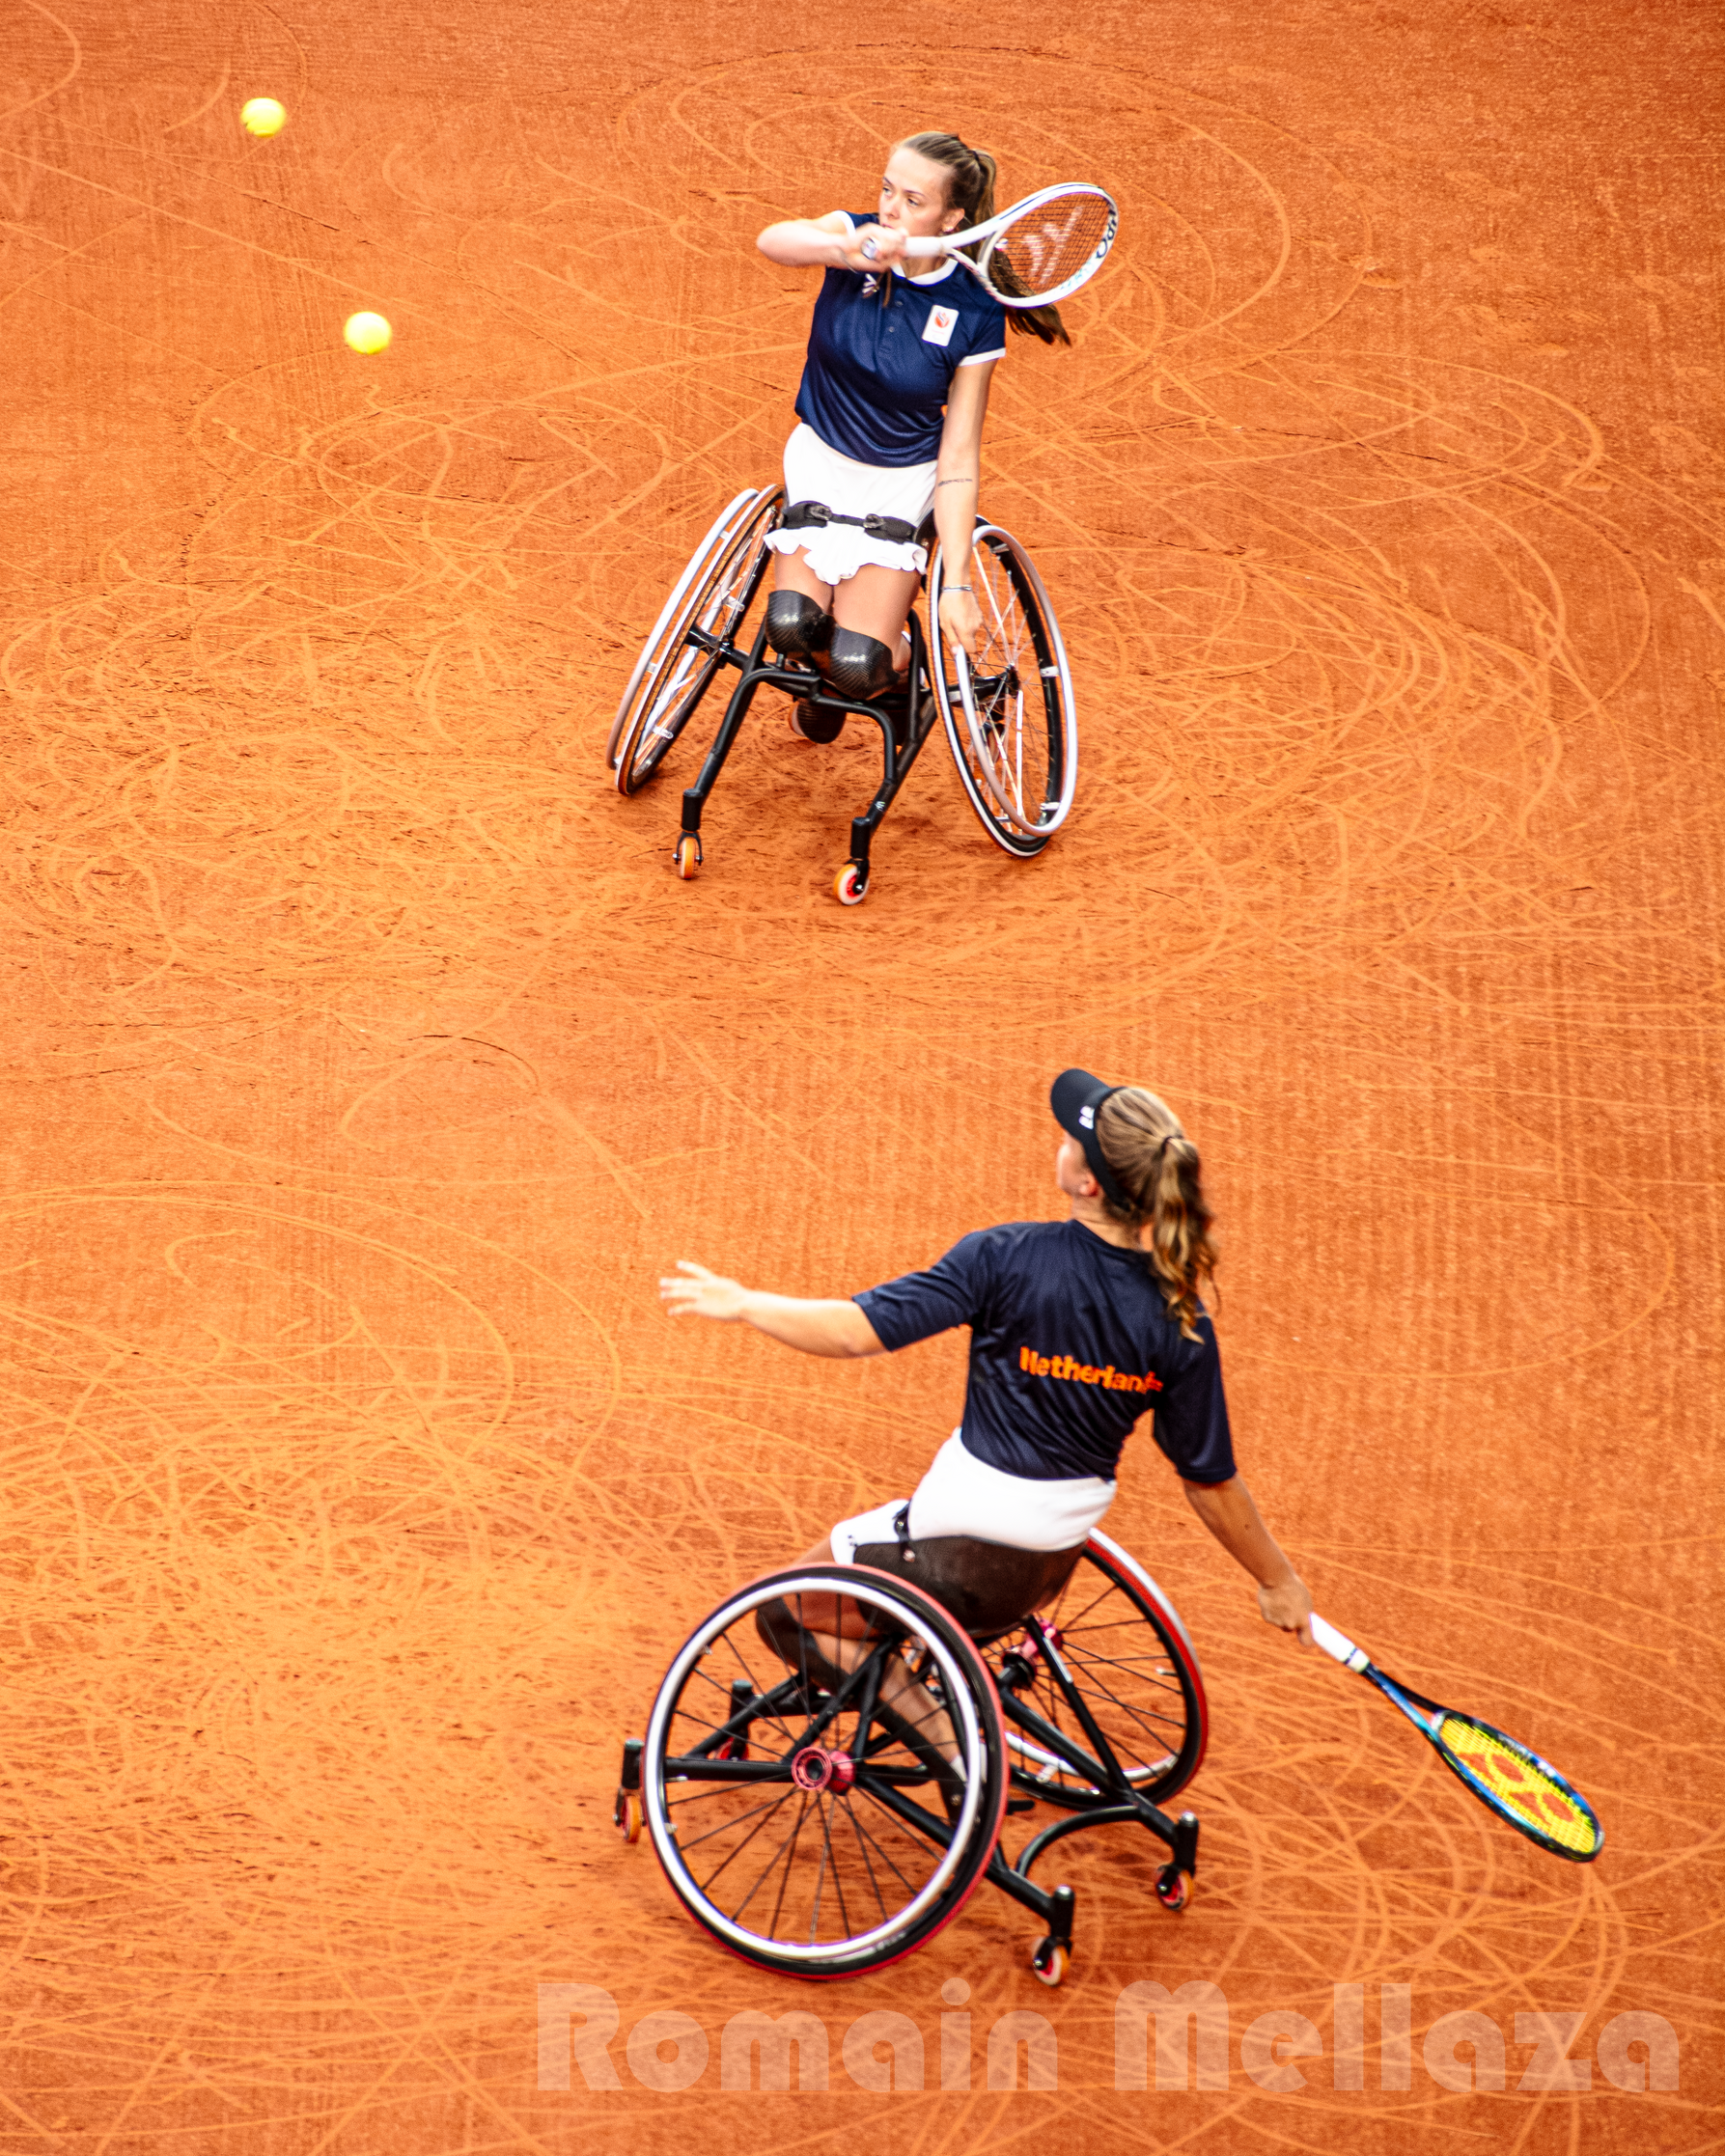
(801, 515)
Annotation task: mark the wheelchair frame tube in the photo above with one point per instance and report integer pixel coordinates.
(759, 671)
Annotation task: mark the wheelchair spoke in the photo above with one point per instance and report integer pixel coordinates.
(866, 1840)
(731, 1825)
(1152, 1676)
(789, 1853)
(863, 1839)
(1120, 1658)
(761, 1707)
(828, 1867)
(766, 1869)
(725, 1728)
(1076, 1620)
(707, 1796)
(768, 1694)
(1146, 1720)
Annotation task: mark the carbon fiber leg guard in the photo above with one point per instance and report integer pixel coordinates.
(859, 666)
(798, 626)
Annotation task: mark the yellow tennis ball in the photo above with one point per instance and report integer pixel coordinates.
(263, 116)
(367, 333)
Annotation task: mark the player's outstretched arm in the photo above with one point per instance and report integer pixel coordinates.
(817, 1327)
(1227, 1510)
(829, 243)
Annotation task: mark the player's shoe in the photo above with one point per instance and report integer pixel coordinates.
(810, 724)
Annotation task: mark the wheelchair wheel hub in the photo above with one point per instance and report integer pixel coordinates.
(816, 1771)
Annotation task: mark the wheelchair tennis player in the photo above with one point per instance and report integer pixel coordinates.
(894, 393)
(1076, 1328)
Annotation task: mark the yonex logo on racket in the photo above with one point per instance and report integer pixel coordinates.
(1075, 1372)
(1050, 240)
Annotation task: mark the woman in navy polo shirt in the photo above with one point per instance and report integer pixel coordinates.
(894, 392)
(1076, 1328)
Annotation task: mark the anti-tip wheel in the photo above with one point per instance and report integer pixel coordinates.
(627, 1814)
(1174, 1888)
(687, 856)
(1050, 1961)
(849, 886)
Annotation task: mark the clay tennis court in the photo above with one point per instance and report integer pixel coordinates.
(367, 1064)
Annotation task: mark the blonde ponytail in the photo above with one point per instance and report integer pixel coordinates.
(1158, 1167)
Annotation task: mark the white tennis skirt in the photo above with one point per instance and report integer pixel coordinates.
(814, 473)
(963, 1495)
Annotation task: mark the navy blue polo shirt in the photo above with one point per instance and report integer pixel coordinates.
(876, 381)
(1070, 1341)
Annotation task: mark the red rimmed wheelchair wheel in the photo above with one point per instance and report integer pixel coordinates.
(846, 1837)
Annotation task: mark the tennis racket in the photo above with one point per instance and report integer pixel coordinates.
(1517, 1785)
(1034, 253)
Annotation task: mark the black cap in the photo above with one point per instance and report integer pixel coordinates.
(1076, 1098)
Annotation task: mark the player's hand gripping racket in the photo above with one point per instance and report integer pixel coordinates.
(1034, 253)
(1516, 1784)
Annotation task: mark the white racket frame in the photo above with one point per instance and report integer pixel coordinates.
(929, 247)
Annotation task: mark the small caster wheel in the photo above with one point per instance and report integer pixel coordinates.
(1050, 1961)
(687, 856)
(850, 887)
(626, 1812)
(1173, 1889)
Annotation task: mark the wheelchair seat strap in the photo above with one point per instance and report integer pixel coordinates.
(901, 1529)
(801, 515)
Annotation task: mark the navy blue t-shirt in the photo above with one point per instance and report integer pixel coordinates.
(1070, 1341)
(875, 383)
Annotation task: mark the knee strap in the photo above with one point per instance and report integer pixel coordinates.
(859, 666)
(798, 626)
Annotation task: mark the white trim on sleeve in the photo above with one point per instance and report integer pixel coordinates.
(981, 359)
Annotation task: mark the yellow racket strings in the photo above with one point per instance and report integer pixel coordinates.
(1518, 1785)
(1048, 245)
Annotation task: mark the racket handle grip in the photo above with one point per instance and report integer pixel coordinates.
(921, 249)
(1338, 1644)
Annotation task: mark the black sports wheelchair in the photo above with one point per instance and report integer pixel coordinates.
(800, 1809)
(1008, 717)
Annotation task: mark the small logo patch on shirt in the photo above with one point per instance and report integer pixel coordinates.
(942, 322)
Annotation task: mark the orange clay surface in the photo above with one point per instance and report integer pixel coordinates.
(366, 1063)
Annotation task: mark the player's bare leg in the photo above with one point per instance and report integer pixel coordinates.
(791, 574)
(844, 1634)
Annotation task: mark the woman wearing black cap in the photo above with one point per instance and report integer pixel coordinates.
(1076, 1328)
